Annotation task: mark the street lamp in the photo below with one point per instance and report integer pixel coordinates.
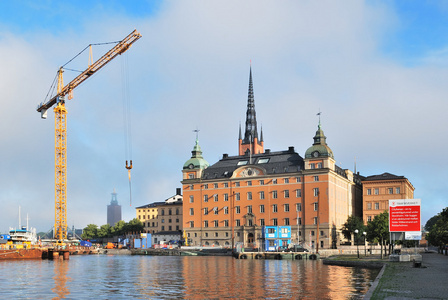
(365, 236)
(357, 244)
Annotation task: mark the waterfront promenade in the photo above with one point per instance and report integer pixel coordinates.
(400, 280)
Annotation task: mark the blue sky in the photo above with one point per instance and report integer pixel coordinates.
(376, 69)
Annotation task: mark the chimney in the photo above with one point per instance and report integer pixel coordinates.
(267, 151)
(291, 149)
(178, 191)
(225, 155)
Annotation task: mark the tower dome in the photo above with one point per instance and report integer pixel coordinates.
(196, 161)
(319, 147)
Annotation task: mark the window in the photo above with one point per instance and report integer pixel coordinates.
(316, 191)
(274, 181)
(261, 195)
(206, 235)
(191, 176)
(316, 206)
(390, 190)
(286, 221)
(286, 180)
(163, 227)
(237, 210)
(177, 220)
(205, 210)
(226, 210)
(298, 179)
(377, 191)
(191, 224)
(177, 227)
(226, 185)
(226, 197)
(274, 208)
(170, 220)
(205, 186)
(286, 193)
(298, 206)
(369, 218)
(249, 209)
(191, 199)
(261, 222)
(238, 223)
(319, 165)
(215, 185)
(312, 166)
(215, 223)
(250, 222)
(242, 163)
(298, 193)
(261, 208)
(237, 184)
(249, 195)
(191, 212)
(369, 205)
(274, 194)
(321, 233)
(226, 223)
(249, 183)
(397, 190)
(205, 198)
(299, 221)
(377, 205)
(215, 210)
(315, 220)
(191, 187)
(316, 178)
(237, 196)
(170, 212)
(369, 191)
(163, 212)
(215, 197)
(177, 211)
(261, 182)
(206, 223)
(263, 160)
(275, 222)
(286, 207)
(271, 230)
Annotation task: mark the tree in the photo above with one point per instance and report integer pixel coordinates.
(135, 225)
(438, 235)
(431, 222)
(353, 223)
(119, 228)
(105, 231)
(378, 230)
(90, 232)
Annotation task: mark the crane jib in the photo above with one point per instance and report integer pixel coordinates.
(120, 48)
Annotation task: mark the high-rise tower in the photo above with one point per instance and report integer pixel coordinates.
(250, 144)
(113, 210)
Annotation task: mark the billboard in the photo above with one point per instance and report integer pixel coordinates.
(404, 215)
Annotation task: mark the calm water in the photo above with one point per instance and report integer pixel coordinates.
(179, 277)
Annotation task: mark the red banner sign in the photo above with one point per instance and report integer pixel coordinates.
(404, 215)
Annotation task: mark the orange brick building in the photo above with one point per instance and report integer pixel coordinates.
(229, 202)
(379, 189)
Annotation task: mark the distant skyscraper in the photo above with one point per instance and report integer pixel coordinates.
(113, 210)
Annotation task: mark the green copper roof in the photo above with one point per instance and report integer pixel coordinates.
(320, 147)
(196, 161)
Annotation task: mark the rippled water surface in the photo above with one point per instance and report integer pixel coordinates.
(179, 277)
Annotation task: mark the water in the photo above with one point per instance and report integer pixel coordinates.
(179, 277)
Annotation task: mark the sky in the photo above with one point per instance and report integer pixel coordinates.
(377, 70)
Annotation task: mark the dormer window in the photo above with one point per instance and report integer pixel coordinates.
(242, 163)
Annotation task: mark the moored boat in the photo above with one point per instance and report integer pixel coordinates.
(6, 254)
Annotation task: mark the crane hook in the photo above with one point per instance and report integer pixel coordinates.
(130, 166)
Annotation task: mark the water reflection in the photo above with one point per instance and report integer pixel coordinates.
(60, 278)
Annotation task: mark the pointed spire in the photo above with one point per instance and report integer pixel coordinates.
(261, 134)
(240, 137)
(251, 119)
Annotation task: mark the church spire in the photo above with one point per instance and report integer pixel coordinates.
(250, 141)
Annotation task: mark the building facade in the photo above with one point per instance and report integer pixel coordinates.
(231, 201)
(379, 189)
(163, 216)
(113, 210)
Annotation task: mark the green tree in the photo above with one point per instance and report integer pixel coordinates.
(90, 232)
(353, 223)
(438, 235)
(378, 230)
(105, 231)
(119, 228)
(431, 222)
(135, 225)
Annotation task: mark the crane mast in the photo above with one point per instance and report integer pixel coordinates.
(60, 111)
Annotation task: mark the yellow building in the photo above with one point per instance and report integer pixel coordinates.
(379, 189)
(164, 216)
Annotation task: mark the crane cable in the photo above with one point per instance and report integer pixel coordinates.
(127, 118)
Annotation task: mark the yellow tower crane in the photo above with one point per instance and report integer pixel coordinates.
(60, 224)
